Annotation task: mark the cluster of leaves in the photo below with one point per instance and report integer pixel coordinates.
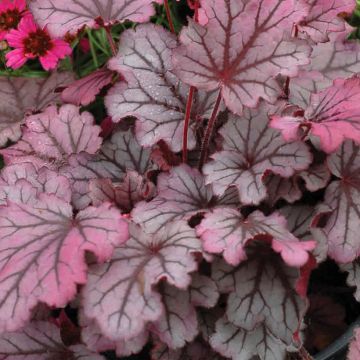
(189, 217)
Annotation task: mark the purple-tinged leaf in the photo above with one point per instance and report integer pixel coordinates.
(203, 291)
(152, 93)
(342, 204)
(53, 135)
(42, 180)
(338, 58)
(263, 307)
(84, 91)
(178, 323)
(37, 258)
(324, 18)
(119, 154)
(333, 115)
(236, 343)
(224, 230)
(119, 294)
(250, 150)
(212, 56)
(133, 189)
(62, 16)
(96, 341)
(182, 193)
(193, 351)
(41, 340)
(299, 219)
(354, 348)
(353, 278)
(316, 177)
(282, 188)
(20, 96)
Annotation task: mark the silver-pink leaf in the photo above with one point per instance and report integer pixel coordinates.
(225, 231)
(178, 323)
(182, 193)
(62, 16)
(324, 18)
(354, 347)
(119, 295)
(353, 278)
(20, 96)
(152, 93)
(37, 258)
(212, 56)
(342, 204)
(41, 340)
(84, 90)
(250, 150)
(53, 135)
(332, 116)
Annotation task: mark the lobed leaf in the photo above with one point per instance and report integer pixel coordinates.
(61, 16)
(152, 93)
(130, 275)
(182, 193)
(51, 136)
(37, 258)
(241, 49)
(333, 115)
(341, 204)
(250, 150)
(225, 231)
(21, 96)
(41, 340)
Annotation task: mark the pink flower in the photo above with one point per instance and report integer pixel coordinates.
(31, 42)
(11, 12)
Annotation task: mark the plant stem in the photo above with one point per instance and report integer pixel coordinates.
(209, 131)
(168, 15)
(92, 49)
(111, 41)
(187, 123)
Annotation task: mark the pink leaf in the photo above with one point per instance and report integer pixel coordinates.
(212, 56)
(225, 231)
(299, 219)
(96, 341)
(84, 90)
(41, 340)
(61, 16)
(125, 194)
(178, 323)
(342, 204)
(338, 58)
(38, 261)
(19, 96)
(324, 18)
(333, 115)
(354, 348)
(182, 193)
(203, 291)
(152, 93)
(119, 154)
(54, 134)
(119, 294)
(263, 308)
(250, 150)
(42, 180)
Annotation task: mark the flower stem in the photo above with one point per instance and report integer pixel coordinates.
(168, 15)
(187, 123)
(209, 131)
(111, 40)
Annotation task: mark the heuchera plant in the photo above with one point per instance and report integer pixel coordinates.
(160, 194)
